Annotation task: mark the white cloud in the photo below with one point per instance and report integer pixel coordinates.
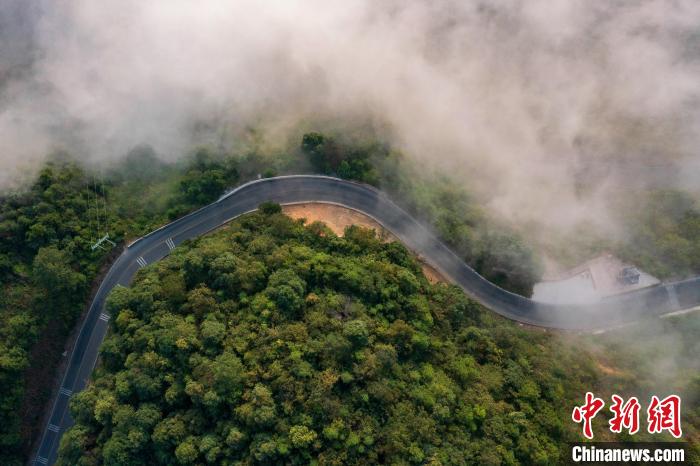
(526, 100)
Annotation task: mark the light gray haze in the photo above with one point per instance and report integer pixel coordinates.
(548, 107)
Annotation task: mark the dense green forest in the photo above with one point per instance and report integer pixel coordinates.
(47, 266)
(272, 342)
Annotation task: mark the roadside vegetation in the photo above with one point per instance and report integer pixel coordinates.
(271, 342)
(48, 266)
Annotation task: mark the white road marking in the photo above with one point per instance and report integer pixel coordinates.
(170, 243)
(53, 428)
(42, 460)
(104, 317)
(65, 391)
(142, 262)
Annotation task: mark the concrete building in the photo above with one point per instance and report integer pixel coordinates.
(605, 275)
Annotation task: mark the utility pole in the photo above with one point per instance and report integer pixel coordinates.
(104, 239)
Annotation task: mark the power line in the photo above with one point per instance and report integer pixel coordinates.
(87, 207)
(105, 238)
(104, 200)
(97, 205)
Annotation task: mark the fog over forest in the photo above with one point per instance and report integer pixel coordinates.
(546, 109)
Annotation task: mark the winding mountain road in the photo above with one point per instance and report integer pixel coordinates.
(653, 301)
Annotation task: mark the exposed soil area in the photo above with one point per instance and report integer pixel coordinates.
(338, 218)
(608, 370)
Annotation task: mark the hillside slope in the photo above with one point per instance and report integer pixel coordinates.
(274, 342)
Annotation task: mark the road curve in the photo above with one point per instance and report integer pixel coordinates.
(653, 301)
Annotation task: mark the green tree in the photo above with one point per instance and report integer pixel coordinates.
(53, 272)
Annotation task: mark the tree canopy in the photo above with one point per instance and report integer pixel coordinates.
(271, 342)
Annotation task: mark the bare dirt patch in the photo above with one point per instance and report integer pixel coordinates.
(337, 218)
(609, 370)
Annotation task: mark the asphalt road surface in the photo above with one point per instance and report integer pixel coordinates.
(611, 312)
